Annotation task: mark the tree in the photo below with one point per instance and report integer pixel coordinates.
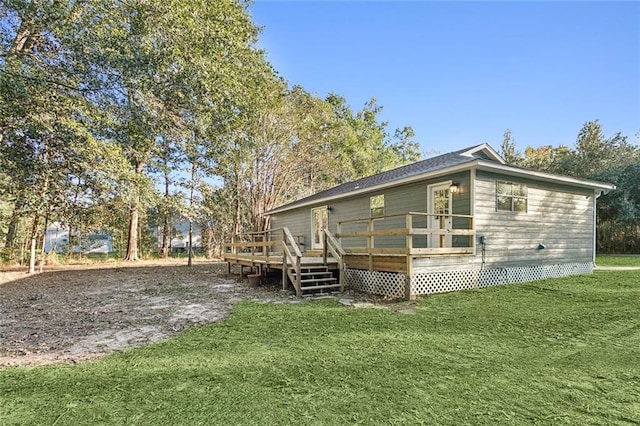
(508, 149)
(364, 147)
(169, 61)
(595, 156)
(46, 144)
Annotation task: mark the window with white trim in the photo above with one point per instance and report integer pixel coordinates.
(511, 197)
(376, 204)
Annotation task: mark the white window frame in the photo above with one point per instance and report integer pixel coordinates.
(512, 197)
(371, 208)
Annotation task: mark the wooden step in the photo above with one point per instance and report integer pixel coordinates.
(314, 274)
(308, 268)
(321, 287)
(318, 280)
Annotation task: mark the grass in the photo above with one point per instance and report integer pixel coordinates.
(563, 351)
(618, 260)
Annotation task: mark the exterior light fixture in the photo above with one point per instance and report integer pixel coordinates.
(455, 188)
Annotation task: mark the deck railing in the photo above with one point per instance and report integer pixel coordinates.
(413, 233)
(261, 247)
(291, 261)
(332, 246)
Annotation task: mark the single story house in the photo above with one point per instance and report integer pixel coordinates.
(460, 220)
(179, 235)
(57, 239)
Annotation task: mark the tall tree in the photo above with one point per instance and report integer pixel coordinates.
(46, 145)
(168, 61)
(508, 149)
(596, 156)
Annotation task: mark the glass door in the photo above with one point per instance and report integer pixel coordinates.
(439, 207)
(319, 221)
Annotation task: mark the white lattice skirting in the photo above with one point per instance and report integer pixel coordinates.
(392, 284)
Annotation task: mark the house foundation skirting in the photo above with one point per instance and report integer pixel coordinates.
(390, 284)
(393, 284)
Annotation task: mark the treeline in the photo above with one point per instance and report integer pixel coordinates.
(124, 114)
(594, 156)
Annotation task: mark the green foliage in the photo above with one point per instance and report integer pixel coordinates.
(97, 98)
(596, 157)
(553, 352)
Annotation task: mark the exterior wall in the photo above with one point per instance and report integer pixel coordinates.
(398, 200)
(559, 217)
(299, 223)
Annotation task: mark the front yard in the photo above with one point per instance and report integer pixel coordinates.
(564, 351)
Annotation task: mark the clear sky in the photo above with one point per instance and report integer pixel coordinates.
(461, 73)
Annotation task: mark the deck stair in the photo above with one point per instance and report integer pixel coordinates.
(316, 280)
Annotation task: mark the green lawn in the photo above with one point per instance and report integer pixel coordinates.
(563, 351)
(618, 260)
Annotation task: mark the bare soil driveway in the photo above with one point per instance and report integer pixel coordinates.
(75, 313)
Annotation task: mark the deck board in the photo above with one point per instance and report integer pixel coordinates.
(274, 262)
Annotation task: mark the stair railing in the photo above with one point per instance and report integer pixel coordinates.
(291, 261)
(333, 246)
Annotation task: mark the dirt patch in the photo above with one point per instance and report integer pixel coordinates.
(71, 314)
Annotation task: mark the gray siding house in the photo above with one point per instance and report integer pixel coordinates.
(456, 221)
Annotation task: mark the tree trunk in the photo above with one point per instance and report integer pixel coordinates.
(208, 234)
(34, 244)
(12, 231)
(132, 241)
(70, 242)
(164, 252)
(193, 183)
(44, 243)
(190, 262)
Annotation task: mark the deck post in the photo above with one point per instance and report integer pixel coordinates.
(253, 244)
(409, 238)
(298, 276)
(324, 247)
(370, 243)
(284, 271)
(407, 283)
(284, 259)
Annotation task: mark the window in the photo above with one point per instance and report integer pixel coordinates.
(511, 197)
(376, 203)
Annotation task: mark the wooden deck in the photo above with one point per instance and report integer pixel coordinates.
(389, 248)
(275, 261)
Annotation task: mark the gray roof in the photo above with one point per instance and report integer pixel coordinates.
(425, 166)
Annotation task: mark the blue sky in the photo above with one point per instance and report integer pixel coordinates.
(461, 73)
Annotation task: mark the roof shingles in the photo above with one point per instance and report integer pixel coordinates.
(429, 165)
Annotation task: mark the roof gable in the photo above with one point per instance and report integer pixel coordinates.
(484, 152)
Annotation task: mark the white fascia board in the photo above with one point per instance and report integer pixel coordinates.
(399, 182)
(548, 177)
(488, 150)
